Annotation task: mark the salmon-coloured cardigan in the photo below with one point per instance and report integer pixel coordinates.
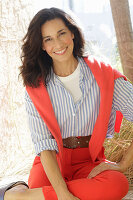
(105, 77)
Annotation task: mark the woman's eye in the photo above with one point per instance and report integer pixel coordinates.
(47, 40)
(62, 33)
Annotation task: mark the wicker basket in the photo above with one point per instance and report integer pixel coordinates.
(116, 147)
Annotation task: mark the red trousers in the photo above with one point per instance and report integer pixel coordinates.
(108, 185)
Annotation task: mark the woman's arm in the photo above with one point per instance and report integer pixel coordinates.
(122, 101)
(50, 164)
(44, 143)
(123, 98)
(127, 159)
(40, 134)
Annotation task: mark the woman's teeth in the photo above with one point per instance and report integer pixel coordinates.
(60, 52)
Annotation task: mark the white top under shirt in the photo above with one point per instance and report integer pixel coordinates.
(71, 83)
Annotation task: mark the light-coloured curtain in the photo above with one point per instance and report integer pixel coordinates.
(16, 149)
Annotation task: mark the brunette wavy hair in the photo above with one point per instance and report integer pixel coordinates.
(36, 63)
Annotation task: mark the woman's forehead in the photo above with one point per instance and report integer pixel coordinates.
(53, 26)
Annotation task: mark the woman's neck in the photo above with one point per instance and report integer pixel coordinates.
(65, 68)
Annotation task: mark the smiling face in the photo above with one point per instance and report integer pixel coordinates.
(57, 40)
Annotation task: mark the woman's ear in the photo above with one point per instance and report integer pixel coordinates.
(72, 36)
(43, 48)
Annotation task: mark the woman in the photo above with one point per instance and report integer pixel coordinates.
(71, 103)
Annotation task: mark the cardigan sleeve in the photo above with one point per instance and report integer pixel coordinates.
(123, 98)
(41, 136)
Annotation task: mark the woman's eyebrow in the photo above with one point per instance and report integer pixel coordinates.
(61, 30)
(44, 37)
(57, 32)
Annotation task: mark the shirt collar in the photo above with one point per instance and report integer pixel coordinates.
(83, 67)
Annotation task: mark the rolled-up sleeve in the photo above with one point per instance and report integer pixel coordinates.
(41, 136)
(123, 98)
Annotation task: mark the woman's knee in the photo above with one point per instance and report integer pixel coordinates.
(16, 192)
(115, 184)
(109, 185)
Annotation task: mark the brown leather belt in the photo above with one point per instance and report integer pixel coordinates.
(75, 142)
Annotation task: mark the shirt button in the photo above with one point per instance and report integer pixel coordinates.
(73, 114)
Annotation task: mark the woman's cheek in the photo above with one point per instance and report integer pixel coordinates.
(68, 41)
(48, 50)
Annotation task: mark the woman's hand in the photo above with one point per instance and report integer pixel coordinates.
(67, 196)
(122, 166)
(106, 165)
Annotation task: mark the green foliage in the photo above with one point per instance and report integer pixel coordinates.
(115, 58)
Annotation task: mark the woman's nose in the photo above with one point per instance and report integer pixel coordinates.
(58, 43)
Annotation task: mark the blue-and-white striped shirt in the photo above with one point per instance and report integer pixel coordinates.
(77, 119)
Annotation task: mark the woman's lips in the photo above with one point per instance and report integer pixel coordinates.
(61, 52)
